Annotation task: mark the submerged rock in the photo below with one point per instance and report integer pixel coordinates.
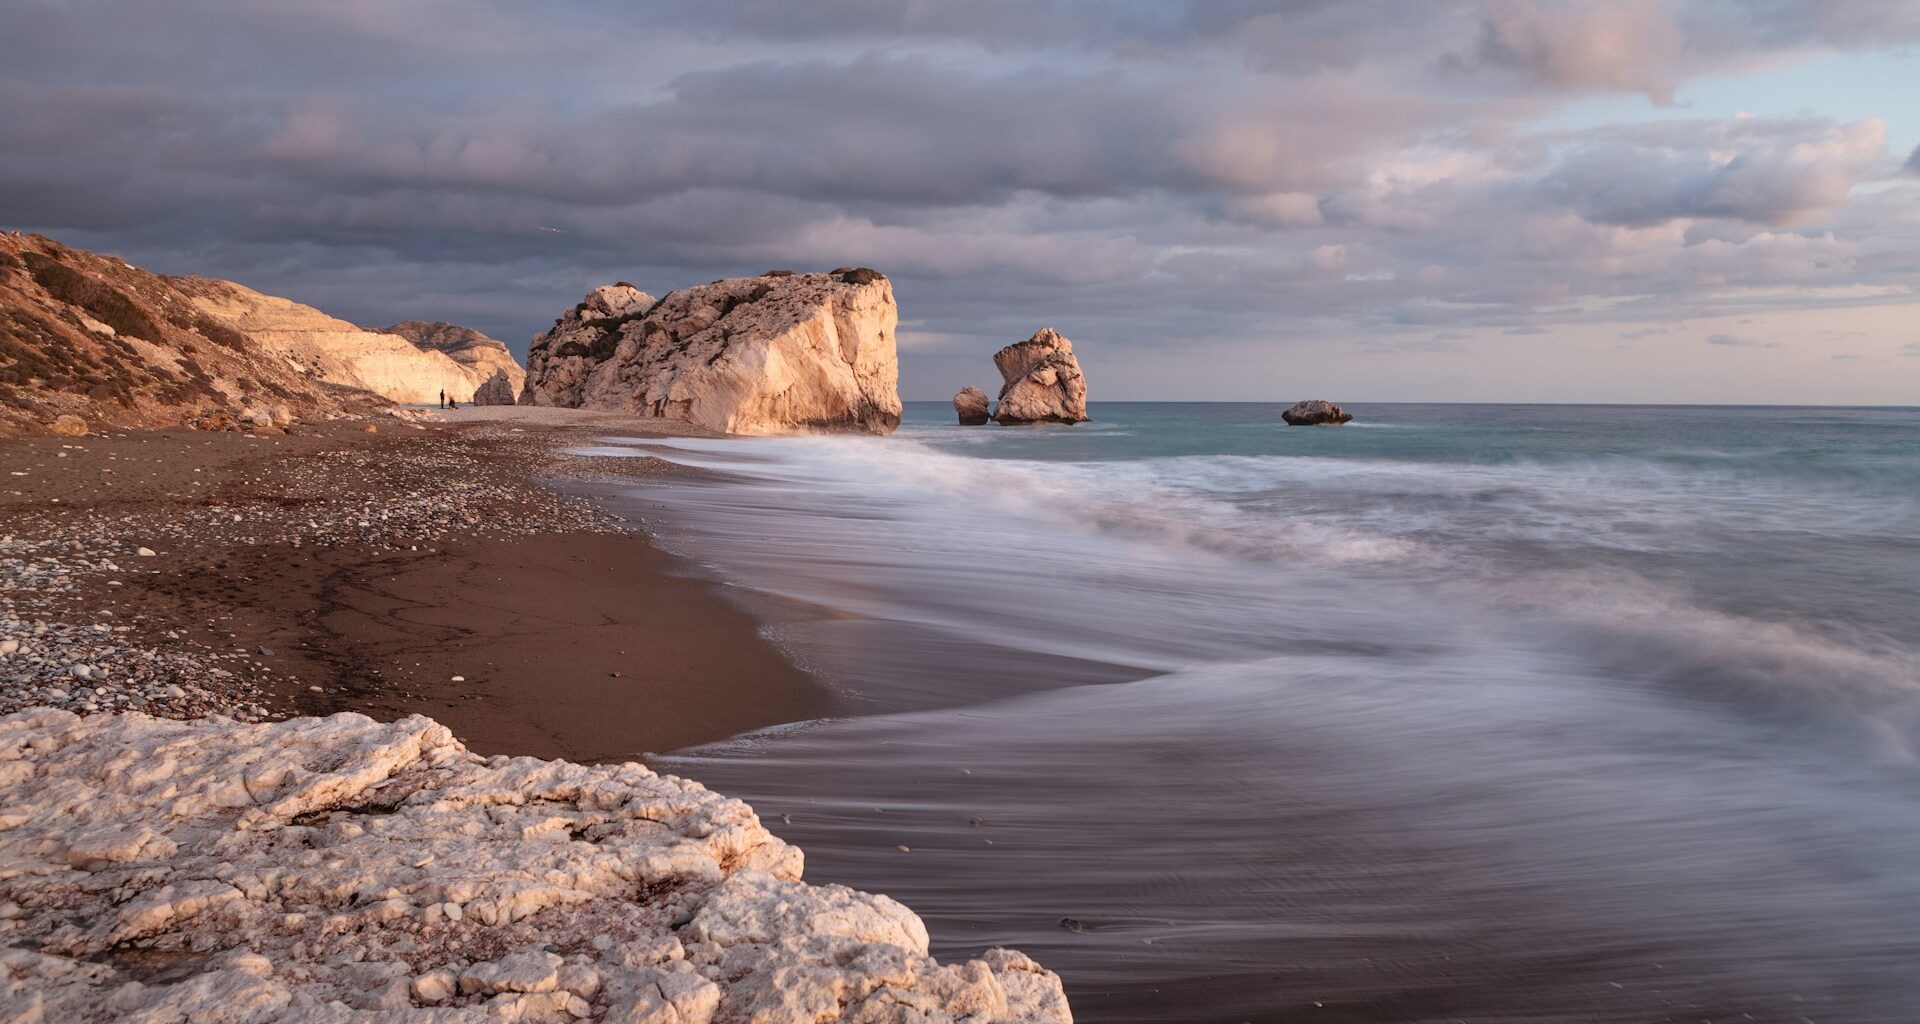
(1043, 381)
(776, 354)
(1316, 413)
(305, 869)
(971, 406)
(496, 390)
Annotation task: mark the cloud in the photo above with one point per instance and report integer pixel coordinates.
(1738, 341)
(1750, 170)
(1628, 45)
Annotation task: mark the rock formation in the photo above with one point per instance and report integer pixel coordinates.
(110, 345)
(334, 350)
(497, 390)
(325, 869)
(480, 355)
(559, 361)
(971, 406)
(1043, 381)
(775, 354)
(1316, 413)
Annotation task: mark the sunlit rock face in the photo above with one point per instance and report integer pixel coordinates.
(329, 868)
(1043, 381)
(776, 354)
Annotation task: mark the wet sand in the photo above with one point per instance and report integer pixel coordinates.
(585, 644)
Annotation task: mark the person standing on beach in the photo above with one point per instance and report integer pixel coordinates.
(443, 398)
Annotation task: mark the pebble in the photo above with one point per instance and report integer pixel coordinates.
(145, 552)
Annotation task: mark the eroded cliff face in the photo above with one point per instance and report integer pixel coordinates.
(776, 354)
(482, 356)
(333, 349)
(328, 868)
(1043, 382)
(90, 341)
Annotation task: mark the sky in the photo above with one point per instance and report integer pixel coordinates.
(1362, 200)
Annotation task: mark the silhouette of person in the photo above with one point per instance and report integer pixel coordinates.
(443, 398)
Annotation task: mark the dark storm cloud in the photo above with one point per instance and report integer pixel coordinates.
(1213, 171)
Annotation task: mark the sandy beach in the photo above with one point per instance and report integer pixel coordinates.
(417, 569)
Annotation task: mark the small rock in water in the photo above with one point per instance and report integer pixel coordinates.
(1071, 924)
(903, 848)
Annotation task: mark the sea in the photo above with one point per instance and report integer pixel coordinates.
(1453, 713)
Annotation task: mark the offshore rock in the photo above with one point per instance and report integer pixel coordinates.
(323, 869)
(1316, 413)
(778, 354)
(1043, 381)
(971, 406)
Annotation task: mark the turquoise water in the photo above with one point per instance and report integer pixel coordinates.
(1480, 713)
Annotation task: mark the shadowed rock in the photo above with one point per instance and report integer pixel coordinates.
(497, 390)
(971, 406)
(1316, 413)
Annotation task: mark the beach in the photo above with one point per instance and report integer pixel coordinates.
(415, 570)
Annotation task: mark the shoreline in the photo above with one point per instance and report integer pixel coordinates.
(251, 780)
(483, 590)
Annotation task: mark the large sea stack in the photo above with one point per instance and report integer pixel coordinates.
(1043, 381)
(777, 354)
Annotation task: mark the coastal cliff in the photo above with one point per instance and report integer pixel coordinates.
(386, 364)
(479, 354)
(90, 341)
(775, 354)
(321, 867)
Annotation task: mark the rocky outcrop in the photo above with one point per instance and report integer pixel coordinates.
(313, 342)
(90, 341)
(559, 361)
(480, 355)
(328, 869)
(971, 406)
(497, 390)
(1043, 381)
(776, 354)
(1316, 413)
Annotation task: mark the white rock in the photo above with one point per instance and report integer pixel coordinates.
(145, 552)
(280, 849)
(777, 354)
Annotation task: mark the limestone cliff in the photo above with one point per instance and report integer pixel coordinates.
(90, 341)
(775, 354)
(335, 869)
(482, 356)
(334, 350)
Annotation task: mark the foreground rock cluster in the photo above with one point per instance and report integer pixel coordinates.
(322, 869)
(775, 354)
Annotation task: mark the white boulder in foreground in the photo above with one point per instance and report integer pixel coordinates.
(340, 869)
(777, 354)
(1043, 381)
